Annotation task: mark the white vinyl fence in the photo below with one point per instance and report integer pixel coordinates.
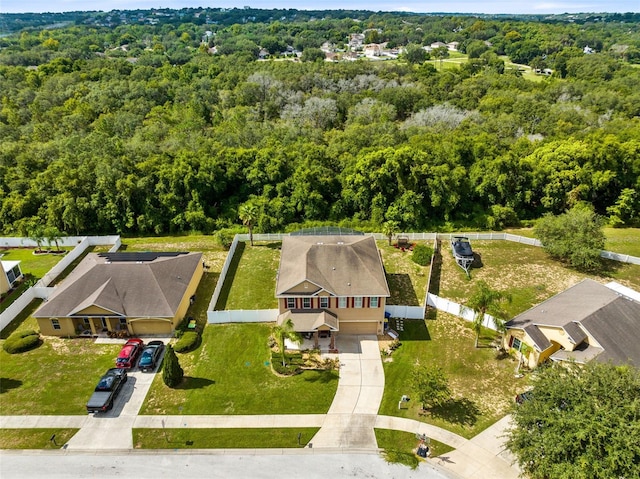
(242, 316)
(442, 304)
(41, 290)
(405, 312)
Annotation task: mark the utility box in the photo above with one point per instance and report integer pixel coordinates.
(404, 402)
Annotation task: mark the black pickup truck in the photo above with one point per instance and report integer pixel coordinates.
(106, 391)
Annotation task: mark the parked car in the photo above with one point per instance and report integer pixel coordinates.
(150, 356)
(106, 390)
(129, 353)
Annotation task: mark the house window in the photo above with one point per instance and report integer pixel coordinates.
(516, 344)
(324, 301)
(357, 302)
(86, 322)
(123, 321)
(306, 303)
(291, 303)
(55, 323)
(342, 302)
(373, 302)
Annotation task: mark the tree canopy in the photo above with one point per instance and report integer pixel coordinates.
(575, 236)
(169, 126)
(580, 422)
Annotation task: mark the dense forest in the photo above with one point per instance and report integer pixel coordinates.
(147, 123)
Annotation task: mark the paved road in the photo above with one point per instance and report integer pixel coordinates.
(171, 465)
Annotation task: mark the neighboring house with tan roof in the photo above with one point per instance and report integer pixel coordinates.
(332, 283)
(587, 321)
(142, 293)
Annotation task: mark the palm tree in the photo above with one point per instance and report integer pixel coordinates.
(36, 233)
(488, 301)
(285, 331)
(248, 214)
(390, 228)
(52, 233)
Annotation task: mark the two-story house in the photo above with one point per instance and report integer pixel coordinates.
(332, 283)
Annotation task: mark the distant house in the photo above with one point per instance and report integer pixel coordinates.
(10, 276)
(587, 321)
(453, 46)
(356, 40)
(372, 50)
(332, 283)
(140, 293)
(587, 50)
(435, 45)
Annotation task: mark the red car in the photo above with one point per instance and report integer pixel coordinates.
(129, 353)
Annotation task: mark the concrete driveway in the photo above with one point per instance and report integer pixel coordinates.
(112, 429)
(352, 415)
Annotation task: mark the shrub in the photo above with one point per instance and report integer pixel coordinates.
(422, 254)
(187, 342)
(21, 341)
(172, 372)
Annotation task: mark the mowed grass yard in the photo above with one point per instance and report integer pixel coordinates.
(57, 377)
(251, 280)
(230, 373)
(33, 267)
(483, 387)
(407, 280)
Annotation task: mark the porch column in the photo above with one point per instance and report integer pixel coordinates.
(315, 338)
(332, 345)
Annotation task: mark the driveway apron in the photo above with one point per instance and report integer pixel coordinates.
(352, 415)
(112, 429)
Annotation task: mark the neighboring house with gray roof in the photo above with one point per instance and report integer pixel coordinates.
(587, 321)
(140, 293)
(332, 283)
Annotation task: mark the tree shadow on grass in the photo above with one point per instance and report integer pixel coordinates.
(436, 272)
(323, 377)
(6, 384)
(195, 383)
(460, 411)
(402, 290)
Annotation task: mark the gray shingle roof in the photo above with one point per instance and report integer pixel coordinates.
(342, 265)
(588, 308)
(138, 289)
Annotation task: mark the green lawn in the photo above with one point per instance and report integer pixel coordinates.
(57, 377)
(482, 386)
(34, 438)
(193, 438)
(251, 281)
(623, 240)
(230, 373)
(33, 267)
(407, 442)
(407, 280)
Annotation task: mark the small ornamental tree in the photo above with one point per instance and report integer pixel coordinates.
(431, 386)
(422, 254)
(172, 372)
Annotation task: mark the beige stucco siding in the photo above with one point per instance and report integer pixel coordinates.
(4, 283)
(557, 335)
(66, 327)
(191, 290)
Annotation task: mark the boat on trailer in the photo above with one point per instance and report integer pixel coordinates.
(462, 252)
